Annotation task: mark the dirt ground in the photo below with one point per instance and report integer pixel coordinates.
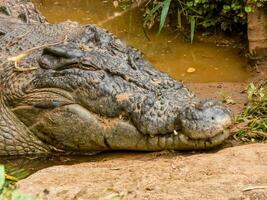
(237, 173)
(235, 91)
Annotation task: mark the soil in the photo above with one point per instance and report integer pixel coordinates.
(237, 173)
(234, 91)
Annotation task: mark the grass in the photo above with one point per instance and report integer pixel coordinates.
(254, 116)
(8, 190)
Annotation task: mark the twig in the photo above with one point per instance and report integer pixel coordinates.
(135, 5)
(22, 69)
(18, 38)
(249, 188)
(11, 178)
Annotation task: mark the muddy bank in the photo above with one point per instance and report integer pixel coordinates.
(220, 91)
(231, 173)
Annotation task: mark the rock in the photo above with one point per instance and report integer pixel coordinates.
(233, 173)
(190, 70)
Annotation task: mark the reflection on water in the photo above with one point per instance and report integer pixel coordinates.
(168, 52)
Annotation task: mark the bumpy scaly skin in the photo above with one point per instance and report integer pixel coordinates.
(68, 87)
(23, 10)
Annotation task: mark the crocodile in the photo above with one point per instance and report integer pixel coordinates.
(71, 88)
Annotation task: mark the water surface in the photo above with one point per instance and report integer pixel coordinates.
(167, 51)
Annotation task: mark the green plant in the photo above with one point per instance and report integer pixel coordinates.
(123, 4)
(254, 116)
(151, 14)
(227, 15)
(8, 191)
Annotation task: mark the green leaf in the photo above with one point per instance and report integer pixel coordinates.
(251, 91)
(164, 12)
(259, 4)
(2, 176)
(226, 8)
(150, 13)
(248, 9)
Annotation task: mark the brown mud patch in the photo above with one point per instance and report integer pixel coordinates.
(220, 91)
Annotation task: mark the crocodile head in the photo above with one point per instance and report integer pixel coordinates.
(206, 119)
(117, 84)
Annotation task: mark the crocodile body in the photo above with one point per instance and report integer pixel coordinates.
(72, 88)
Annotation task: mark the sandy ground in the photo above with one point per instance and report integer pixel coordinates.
(237, 173)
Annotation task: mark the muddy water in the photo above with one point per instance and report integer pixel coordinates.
(168, 51)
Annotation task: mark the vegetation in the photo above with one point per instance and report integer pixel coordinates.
(254, 116)
(8, 190)
(227, 15)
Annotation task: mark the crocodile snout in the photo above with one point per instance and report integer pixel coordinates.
(206, 121)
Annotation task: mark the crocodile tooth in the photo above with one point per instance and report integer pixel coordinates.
(175, 132)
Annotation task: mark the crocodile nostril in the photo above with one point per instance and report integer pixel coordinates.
(23, 17)
(5, 10)
(212, 118)
(2, 33)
